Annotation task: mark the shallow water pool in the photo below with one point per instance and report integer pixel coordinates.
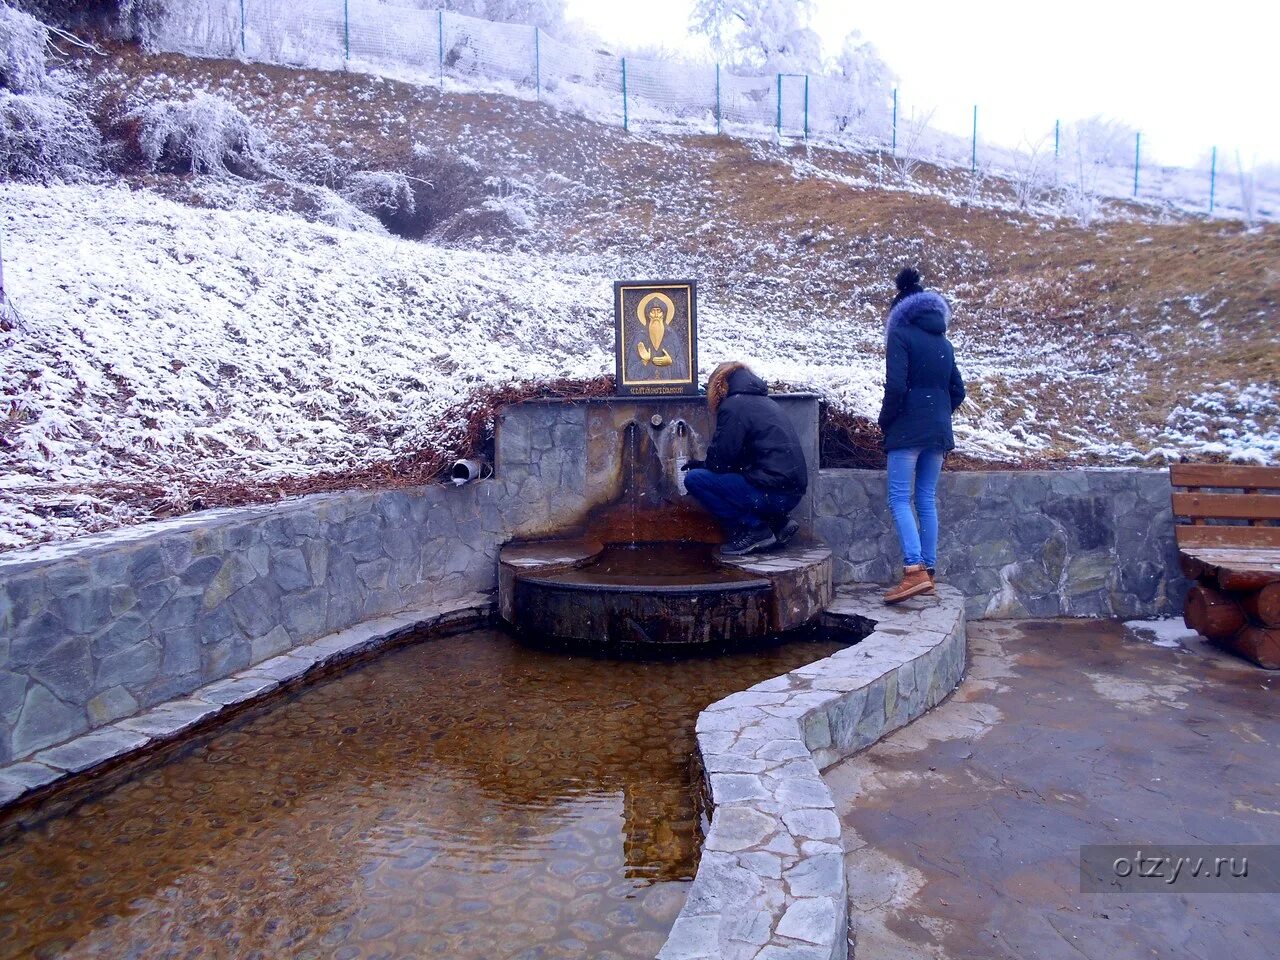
(466, 797)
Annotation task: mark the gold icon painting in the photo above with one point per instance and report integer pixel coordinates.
(655, 313)
(655, 327)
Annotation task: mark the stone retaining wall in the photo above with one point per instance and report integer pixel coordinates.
(99, 628)
(771, 883)
(1023, 543)
(55, 778)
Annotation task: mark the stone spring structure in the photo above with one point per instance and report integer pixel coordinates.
(637, 566)
(112, 644)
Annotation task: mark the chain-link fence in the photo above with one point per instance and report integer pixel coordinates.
(439, 47)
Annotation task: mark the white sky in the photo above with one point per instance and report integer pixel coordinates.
(1189, 76)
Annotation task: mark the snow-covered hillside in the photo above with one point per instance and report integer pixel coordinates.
(194, 338)
(168, 345)
(165, 344)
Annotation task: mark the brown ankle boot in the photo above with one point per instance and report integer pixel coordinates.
(915, 581)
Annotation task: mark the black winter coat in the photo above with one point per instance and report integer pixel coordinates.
(923, 386)
(754, 438)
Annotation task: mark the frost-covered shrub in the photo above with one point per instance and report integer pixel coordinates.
(512, 211)
(444, 184)
(205, 134)
(338, 212)
(22, 51)
(379, 192)
(314, 162)
(135, 19)
(46, 138)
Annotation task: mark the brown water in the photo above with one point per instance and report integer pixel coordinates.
(461, 798)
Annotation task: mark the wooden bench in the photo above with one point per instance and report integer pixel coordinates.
(1234, 562)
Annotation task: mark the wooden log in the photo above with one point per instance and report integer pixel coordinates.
(1263, 606)
(1231, 579)
(1212, 613)
(1193, 568)
(1259, 644)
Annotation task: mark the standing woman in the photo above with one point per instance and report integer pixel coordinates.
(922, 390)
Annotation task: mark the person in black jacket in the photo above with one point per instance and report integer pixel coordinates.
(755, 472)
(922, 389)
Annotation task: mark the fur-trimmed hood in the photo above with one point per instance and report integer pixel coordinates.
(731, 377)
(926, 310)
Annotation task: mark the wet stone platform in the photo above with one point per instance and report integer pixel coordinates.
(964, 828)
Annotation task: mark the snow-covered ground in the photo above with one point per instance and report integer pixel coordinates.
(1169, 632)
(161, 344)
(167, 345)
(187, 338)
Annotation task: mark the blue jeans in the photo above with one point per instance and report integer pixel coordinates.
(736, 502)
(919, 469)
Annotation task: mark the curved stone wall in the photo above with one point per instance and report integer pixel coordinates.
(771, 883)
(99, 628)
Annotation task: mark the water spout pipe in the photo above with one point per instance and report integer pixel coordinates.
(464, 471)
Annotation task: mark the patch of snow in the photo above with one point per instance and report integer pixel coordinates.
(1170, 632)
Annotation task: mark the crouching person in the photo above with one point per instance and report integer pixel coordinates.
(755, 471)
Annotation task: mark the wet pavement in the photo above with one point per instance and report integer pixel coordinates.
(461, 798)
(964, 828)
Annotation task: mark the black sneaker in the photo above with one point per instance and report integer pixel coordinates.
(749, 541)
(784, 531)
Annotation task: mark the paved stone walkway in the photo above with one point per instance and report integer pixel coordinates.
(963, 829)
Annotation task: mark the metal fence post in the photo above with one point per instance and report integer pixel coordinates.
(717, 98)
(1137, 151)
(779, 106)
(1213, 175)
(242, 47)
(626, 120)
(537, 62)
(440, 33)
(806, 106)
(973, 164)
(346, 32)
(895, 122)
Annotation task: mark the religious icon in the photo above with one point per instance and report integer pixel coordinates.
(655, 325)
(661, 311)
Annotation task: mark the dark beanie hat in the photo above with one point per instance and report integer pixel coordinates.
(908, 282)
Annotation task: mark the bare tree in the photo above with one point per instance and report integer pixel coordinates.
(1030, 174)
(975, 182)
(907, 158)
(1082, 190)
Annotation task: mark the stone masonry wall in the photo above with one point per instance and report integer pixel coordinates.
(100, 627)
(1017, 544)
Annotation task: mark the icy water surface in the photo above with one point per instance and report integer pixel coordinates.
(461, 798)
